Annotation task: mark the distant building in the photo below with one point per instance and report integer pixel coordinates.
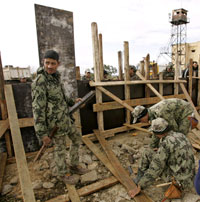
(16, 73)
(192, 52)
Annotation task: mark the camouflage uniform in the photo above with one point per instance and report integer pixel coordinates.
(166, 73)
(174, 158)
(51, 108)
(175, 112)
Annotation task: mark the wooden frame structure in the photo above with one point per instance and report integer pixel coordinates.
(10, 121)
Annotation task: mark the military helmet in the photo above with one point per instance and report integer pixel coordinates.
(133, 67)
(87, 70)
(138, 113)
(159, 126)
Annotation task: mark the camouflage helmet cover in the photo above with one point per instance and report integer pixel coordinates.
(159, 125)
(136, 113)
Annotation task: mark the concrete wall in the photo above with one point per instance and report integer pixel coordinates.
(55, 31)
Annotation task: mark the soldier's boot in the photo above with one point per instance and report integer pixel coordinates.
(71, 179)
(138, 177)
(78, 170)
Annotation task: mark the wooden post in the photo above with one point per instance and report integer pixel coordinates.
(24, 177)
(4, 113)
(101, 57)
(154, 70)
(127, 78)
(190, 78)
(198, 98)
(78, 75)
(142, 72)
(161, 84)
(120, 65)
(147, 74)
(176, 75)
(96, 61)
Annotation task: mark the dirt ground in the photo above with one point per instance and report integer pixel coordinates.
(126, 146)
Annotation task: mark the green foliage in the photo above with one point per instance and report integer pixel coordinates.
(110, 69)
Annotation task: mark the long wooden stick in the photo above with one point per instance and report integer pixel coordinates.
(43, 148)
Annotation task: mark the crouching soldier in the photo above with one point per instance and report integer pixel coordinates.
(174, 158)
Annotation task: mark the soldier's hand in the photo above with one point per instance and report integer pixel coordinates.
(134, 192)
(46, 140)
(78, 99)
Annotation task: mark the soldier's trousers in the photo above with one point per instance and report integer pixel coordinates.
(146, 160)
(60, 150)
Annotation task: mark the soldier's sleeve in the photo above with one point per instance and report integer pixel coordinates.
(154, 142)
(156, 167)
(39, 103)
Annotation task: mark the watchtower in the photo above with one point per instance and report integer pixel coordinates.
(179, 22)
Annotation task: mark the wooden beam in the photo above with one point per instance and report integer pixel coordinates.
(161, 84)
(190, 101)
(4, 125)
(97, 73)
(138, 128)
(101, 57)
(120, 65)
(150, 86)
(114, 97)
(24, 177)
(119, 83)
(198, 93)
(3, 109)
(26, 122)
(89, 189)
(127, 78)
(147, 74)
(142, 68)
(3, 158)
(121, 174)
(73, 195)
(134, 102)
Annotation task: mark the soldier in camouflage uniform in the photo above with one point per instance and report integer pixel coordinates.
(169, 71)
(50, 109)
(175, 111)
(132, 73)
(174, 158)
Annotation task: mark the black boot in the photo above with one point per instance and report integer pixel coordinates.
(138, 177)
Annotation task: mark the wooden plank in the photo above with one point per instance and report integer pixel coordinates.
(26, 122)
(97, 73)
(127, 78)
(134, 102)
(119, 83)
(111, 132)
(147, 74)
(3, 158)
(120, 65)
(190, 101)
(142, 68)
(4, 125)
(115, 98)
(24, 177)
(4, 113)
(151, 87)
(89, 189)
(101, 57)
(198, 93)
(121, 174)
(161, 84)
(138, 128)
(78, 74)
(73, 195)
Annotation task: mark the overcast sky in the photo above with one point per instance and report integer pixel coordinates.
(143, 23)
